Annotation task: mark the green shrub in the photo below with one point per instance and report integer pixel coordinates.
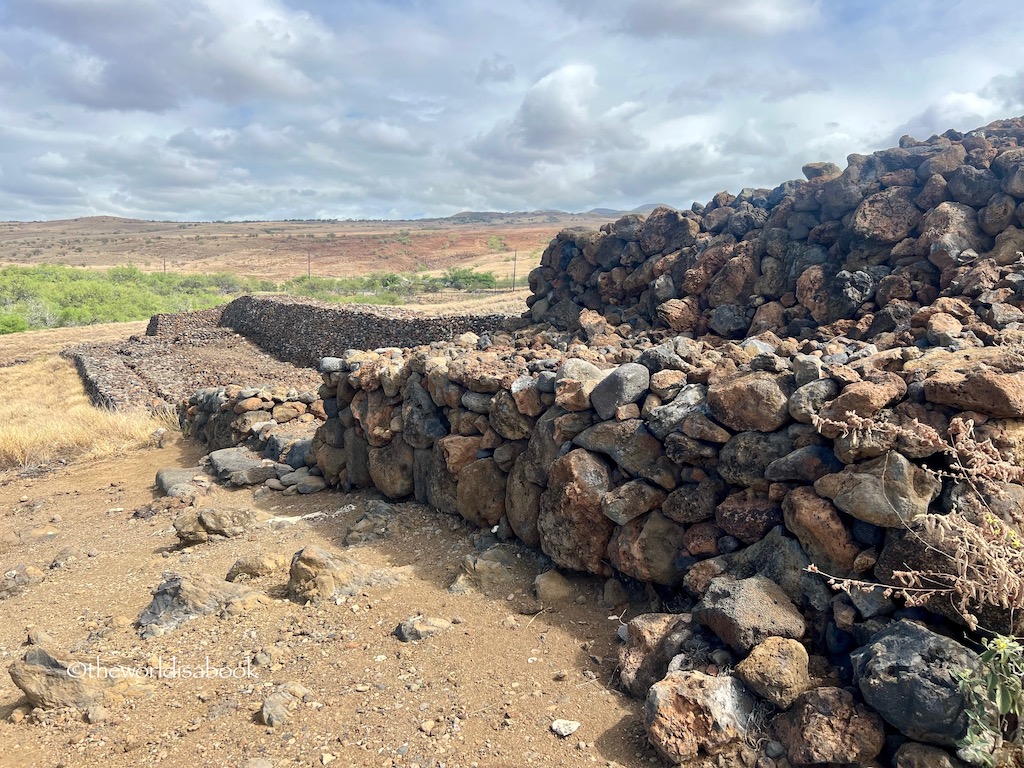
(995, 705)
(467, 279)
(12, 323)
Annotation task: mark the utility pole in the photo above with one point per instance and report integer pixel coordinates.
(309, 264)
(515, 265)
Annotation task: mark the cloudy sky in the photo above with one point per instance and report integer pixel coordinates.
(269, 109)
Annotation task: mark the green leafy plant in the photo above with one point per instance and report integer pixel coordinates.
(466, 278)
(995, 705)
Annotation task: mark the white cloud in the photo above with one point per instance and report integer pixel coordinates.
(299, 108)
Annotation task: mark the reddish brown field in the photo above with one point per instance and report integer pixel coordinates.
(281, 250)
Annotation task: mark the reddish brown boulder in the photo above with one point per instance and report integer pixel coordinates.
(985, 391)
(481, 492)
(820, 530)
(573, 531)
(680, 314)
(689, 714)
(648, 549)
(886, 217)
(863, 398)
(757, 402)
(458, 451)
(825, 725)
(748, 516)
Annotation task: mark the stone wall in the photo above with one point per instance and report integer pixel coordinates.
(302, 332)
(223, 417)
(184, 323)
(716, 401)
(108, 382)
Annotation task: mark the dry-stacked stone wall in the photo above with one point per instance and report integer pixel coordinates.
(223, 417)
(716, 401)
(302, 331)
(184, 323)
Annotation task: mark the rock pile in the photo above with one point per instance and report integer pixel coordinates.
(875, 251)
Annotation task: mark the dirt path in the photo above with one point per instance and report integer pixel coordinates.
(482, 693)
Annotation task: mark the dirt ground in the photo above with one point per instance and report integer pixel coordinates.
(483, 693)
(281, 250)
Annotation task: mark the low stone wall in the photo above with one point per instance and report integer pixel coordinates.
(302, 331)
(184, 323)
(720, 473)
(108, 382)
(223, 417)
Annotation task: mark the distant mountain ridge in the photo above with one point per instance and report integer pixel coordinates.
(462, 217)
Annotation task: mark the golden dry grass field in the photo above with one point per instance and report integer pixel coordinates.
(46, 416)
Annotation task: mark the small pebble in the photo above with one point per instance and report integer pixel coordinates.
(564, 728)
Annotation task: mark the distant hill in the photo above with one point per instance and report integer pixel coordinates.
(614, 213)
(646, 209)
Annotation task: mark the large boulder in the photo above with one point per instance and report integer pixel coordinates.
(948, 231)
(631, 500)
(182, 598)
(573, 531)
(52, 681)
(886, 217)
(776, 670)
(986, 391)
(888, 491)
(632, 447)
(825, 725)
(819, 528)
(745, 612)
(195, 526)
(522, 504)
(690, 714)
(906, 673)
(648, 548)
(317, 575)
(745, 459)
(391, 468)
(757, 402)
(506, 419)
(240, 466)
(748, 515)
(625, 384)
(481, 492)
(862, 398)
(422, 420)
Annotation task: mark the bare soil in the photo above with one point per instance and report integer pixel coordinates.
(279, 250)
(482, 693)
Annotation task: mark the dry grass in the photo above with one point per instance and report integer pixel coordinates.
(45, 416)
(24, 347)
